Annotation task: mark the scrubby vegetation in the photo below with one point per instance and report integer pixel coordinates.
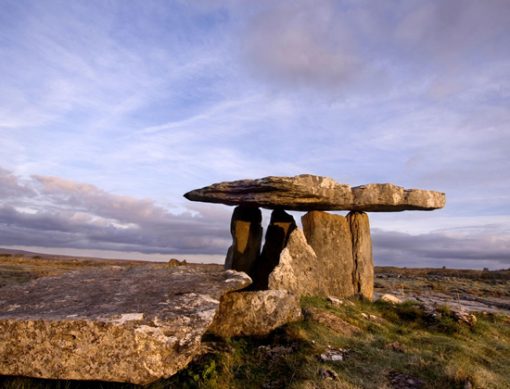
(356, 344)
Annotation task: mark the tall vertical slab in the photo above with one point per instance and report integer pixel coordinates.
(362, 253)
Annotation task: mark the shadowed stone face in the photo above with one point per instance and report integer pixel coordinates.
(246, 231)
(280, 227)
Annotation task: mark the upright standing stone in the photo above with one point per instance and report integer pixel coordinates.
(246, 231)
(330, 237)
(280, 227)
(362, 254)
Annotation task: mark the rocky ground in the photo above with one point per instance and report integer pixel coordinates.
(422, 343)
(469, 290)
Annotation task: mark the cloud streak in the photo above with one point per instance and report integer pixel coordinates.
(475, 249)
(52, 212)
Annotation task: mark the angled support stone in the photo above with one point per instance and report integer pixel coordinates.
(298, 271)
(280, 227)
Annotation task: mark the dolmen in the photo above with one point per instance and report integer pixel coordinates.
(331, 254)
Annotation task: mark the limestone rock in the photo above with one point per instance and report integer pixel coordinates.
(362, 254)
(298, 270)
(390, 197)
(246, 231)
(255, 313)
(308, 192)
(330, 237)
(280, 227)
(389, 298)
(127, 324)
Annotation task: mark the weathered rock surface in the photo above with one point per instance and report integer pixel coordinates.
(308, 192)
(255, 313)
(390, 298)
(128, 324)
(330, 237)
(246, 231)
(278, 231)
(362, 254)
(298, 270)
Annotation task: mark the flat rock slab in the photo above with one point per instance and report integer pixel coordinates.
(125, 324)
(308, 192)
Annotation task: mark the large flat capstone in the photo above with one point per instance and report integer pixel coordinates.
(126, 324)
(308, 192)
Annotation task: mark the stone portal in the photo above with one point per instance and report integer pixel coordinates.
(332, 255)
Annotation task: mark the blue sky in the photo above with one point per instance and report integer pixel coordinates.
(111, 110)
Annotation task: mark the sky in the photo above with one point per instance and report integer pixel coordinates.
(111, 110)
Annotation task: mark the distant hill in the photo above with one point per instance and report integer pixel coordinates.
(59, 257)
(4, 251)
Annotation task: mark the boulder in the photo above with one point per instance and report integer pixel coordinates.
(362, 254)
(246, 231)
(330, 238)
(308, 192)
(278, 231)
(255, 313)
(298, 270)
(120, 323)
